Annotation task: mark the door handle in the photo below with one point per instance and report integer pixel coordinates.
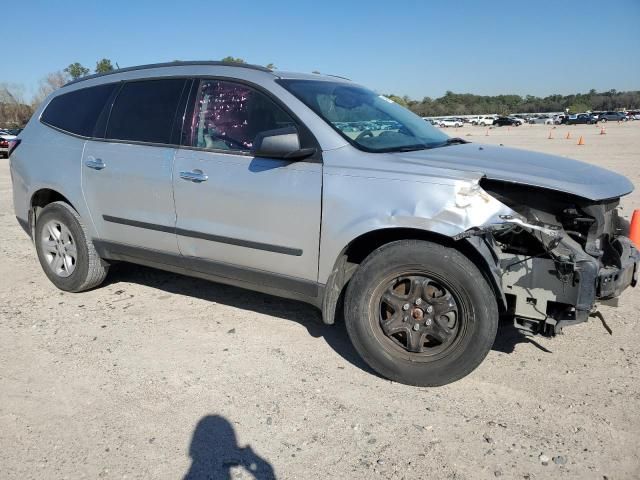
(196, 176)
(95, 163)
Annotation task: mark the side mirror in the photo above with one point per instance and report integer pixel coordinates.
(283, 143)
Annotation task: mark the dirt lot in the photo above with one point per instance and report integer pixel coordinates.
(155, 375)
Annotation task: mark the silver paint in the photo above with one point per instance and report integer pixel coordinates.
(318, 208)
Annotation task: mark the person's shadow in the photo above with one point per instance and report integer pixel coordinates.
(214, 451)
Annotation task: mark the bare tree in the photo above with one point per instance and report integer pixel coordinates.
(48, 84)
(13, 110)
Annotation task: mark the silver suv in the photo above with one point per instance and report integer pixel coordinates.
(315, 188)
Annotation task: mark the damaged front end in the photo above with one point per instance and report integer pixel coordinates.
(557, 255)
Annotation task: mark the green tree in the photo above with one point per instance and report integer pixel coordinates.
(76, 70)
(578, 108)
(230, 59)
(270, 66)
(398, 100)
(104, 66)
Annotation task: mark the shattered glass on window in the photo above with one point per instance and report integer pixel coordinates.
(229, 116)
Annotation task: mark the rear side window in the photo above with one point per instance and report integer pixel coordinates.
(77, 111)
(144, 111)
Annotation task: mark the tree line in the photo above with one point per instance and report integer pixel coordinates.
(469, 104)
(15, 110)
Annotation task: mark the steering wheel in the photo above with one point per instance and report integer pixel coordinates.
(365, 134)
(228, 140)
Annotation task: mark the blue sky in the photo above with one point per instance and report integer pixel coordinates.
(417, 48)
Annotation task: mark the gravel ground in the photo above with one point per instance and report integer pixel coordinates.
(155, 375)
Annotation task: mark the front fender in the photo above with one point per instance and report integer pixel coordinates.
(354, 206)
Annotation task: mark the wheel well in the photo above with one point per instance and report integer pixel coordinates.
(45, 196)
(41, 199)
(362, 246)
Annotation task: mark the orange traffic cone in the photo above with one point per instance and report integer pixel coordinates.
(568, 137)
(603, 130)
(550, 134)
(581, 141)
(634, 228)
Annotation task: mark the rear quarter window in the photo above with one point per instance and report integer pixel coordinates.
(76, 112)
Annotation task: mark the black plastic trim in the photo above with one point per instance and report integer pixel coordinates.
(218, 271)
(296, 252)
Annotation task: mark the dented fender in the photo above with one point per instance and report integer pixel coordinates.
(359, 201)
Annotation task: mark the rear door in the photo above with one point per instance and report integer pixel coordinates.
(237, 210)
(127, 175)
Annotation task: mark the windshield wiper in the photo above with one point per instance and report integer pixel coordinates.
(452, 141)
(456, 140)
(410, 148)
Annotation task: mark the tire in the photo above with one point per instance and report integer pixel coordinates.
(59, 235)
(442, 353)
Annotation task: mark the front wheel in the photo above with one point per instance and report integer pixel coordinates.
(420, 313)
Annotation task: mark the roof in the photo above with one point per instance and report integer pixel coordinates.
(279, 74)
(171, 64)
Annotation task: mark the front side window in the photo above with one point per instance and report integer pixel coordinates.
(144, 111)
(229, 116)
(76, 112)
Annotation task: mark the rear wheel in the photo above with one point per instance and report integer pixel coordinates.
(420, 313)
(66, 254)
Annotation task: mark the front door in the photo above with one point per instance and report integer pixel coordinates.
(247, 215)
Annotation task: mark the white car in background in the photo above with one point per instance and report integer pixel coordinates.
(450, 122)
(483, 120)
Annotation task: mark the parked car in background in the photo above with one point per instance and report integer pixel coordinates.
(560, 119)
(450, 122)
(4, 147)
(581, 118)
(612, 117)
(541, 120)
(483, 120)
(518, 120)
(633, 115)
(421, 240)
(505, 121)
(5, 138)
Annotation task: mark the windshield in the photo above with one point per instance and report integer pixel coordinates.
(367, 120)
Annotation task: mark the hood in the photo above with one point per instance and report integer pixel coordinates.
(525, 167)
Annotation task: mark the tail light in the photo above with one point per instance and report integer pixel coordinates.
(4, 143)
(13, 144)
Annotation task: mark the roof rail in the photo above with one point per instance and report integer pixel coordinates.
(337, 76)
(172, 64)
